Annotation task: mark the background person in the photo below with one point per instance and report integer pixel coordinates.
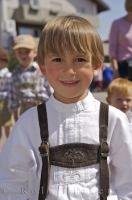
(28, 86)
(120, 44)
(119, 94)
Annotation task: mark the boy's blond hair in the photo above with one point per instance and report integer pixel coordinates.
(120, 85)
(70, 33)
(128, 5)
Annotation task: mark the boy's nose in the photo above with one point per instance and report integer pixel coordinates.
(69, 69)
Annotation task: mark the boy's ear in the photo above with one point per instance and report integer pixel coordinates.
(42, 69)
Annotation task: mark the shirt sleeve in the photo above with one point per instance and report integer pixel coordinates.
(121, 158)
(19, 177)
(113, 40)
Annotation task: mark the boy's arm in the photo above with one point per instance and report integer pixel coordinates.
(121, 158)
(18, 168)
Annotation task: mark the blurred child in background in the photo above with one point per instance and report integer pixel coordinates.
(119, 95)
(28, 86)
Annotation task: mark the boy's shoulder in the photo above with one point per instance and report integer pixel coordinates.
(29, 115)
(27, 121)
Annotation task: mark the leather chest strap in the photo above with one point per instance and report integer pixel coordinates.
(74, 155)
(104, 171)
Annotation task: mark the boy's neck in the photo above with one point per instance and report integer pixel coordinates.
(70, 100)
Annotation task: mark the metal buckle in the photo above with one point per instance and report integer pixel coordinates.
(104, 149)
(44, 149)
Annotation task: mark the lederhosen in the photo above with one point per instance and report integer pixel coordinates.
(74, 155)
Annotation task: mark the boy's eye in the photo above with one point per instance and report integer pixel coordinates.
(80, 59)
(56, 60)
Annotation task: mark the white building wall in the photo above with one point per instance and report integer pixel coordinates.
(73, 6)
(60, 4)
(85, 6)
(12, 3)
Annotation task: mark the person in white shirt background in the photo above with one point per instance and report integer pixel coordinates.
(69, 52)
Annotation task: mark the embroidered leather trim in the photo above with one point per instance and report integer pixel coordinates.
(74, 155)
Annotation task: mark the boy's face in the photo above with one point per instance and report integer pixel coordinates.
(25, 56)
(122, 102)
(69, 75)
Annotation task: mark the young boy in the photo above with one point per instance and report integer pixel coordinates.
(119, 95)
(69, 52)
(28, 86)
(5, 77)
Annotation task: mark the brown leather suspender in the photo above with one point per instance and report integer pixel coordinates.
(104, 172)
(44, 151)
(74, 154)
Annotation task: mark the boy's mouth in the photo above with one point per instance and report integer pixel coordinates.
(69, 82)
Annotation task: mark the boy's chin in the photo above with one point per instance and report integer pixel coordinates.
(70, 98)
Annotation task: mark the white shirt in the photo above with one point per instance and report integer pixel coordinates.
(20, 161)
(129, 116)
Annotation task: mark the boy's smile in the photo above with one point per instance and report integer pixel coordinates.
(69, 75)
(69, 83)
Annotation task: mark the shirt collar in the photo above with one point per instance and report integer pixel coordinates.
(73, 107)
